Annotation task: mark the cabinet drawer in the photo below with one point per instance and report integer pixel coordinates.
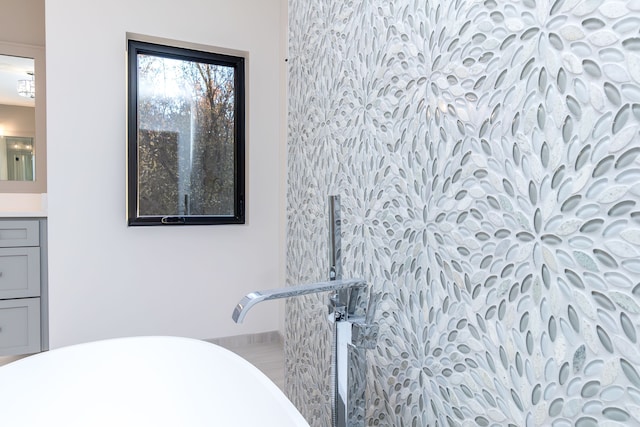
(19, 326)
(19, 272)
(19, 233)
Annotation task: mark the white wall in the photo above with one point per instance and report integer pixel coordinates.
(106, 279)
(22, 21)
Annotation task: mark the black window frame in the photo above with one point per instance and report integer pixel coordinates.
(135, 48)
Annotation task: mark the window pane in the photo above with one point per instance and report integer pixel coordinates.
(186, 137)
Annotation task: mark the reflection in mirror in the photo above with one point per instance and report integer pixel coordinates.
(17, 118)
(18, 157)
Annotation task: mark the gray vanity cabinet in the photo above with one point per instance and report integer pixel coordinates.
(23, 281)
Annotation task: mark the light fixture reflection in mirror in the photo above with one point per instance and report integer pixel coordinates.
(17, 118)
(27, 87)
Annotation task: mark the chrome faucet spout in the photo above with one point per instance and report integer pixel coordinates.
(254, 298)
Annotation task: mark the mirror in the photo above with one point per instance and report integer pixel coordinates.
(17, 118)
(22, 119)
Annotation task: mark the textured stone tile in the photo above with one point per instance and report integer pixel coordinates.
(487, 158)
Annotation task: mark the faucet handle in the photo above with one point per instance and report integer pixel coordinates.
(364, 335)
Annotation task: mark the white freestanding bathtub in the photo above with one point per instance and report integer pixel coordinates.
(141, 381)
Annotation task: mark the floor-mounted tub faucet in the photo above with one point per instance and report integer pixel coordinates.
(352, 311)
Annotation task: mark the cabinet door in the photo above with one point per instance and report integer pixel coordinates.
(19, 272)
(19, 326)
(15, 233)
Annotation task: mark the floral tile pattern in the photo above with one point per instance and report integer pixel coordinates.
(487, 155)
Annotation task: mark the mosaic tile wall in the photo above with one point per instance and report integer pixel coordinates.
(488, 158)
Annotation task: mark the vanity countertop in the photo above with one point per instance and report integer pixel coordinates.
(23, 205)
(20, 214)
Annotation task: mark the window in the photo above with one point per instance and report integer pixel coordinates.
(185, 141)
